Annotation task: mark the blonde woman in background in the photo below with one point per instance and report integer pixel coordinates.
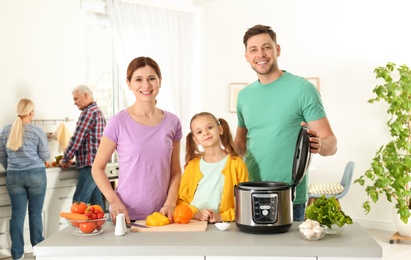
(23, 151)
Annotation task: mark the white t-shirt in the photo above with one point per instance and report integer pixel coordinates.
(210, 187)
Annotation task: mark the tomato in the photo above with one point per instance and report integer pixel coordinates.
(182, 214)
(87, 227)
(94, 208)
(99, 224)
(75, 223)
(78, 207)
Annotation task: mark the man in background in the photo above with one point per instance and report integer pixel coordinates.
(270, 113)
(83, 145)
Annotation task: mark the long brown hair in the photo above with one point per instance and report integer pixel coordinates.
(226, 139)
(15, 140)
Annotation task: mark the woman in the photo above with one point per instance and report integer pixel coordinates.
(23, 151)
(147, 140)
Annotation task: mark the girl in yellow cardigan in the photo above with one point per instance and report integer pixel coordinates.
(207, 185)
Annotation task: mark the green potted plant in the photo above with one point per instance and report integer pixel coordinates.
(389, 174)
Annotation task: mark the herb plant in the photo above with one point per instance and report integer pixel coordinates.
(327, 212)
(389, 174)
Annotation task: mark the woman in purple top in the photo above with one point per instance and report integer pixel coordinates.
(147, 140)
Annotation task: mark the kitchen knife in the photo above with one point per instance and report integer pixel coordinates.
(136, 225)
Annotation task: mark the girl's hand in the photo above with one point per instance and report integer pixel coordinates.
(203, 215)
(215, 218)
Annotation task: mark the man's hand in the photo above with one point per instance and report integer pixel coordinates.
(64, 165)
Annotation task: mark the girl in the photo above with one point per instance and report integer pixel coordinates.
(207, 185)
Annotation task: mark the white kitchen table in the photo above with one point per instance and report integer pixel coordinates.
(213, 244)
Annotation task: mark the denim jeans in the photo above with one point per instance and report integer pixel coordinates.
(24, 187)
(299, 212)
(87, 190)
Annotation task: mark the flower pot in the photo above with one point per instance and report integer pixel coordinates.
(403, 229)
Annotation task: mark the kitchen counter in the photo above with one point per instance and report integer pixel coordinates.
(59, 169)
(353, 243)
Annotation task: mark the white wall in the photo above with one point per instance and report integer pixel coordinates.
(42, 58)
(339, 41)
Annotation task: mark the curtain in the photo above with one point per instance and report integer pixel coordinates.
(171, 38)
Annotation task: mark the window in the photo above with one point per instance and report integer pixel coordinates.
(101, 66)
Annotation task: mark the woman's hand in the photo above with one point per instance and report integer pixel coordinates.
(116, 208)
(168, 210)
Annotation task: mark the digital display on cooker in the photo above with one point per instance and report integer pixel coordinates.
(265, 208)
(265, 200)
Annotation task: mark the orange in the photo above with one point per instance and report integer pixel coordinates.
(96, 207)
(182, 214)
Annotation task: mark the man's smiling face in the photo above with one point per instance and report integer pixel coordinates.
(262, 53)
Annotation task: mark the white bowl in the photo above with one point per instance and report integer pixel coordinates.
(223, 225)
(335, 229)
(314, 233)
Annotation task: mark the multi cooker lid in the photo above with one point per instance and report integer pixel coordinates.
(263, 186)
(302, 156)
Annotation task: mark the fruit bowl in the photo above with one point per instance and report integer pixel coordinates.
(89, 227)
(313, 233)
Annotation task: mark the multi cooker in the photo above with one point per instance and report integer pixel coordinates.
(266, 206)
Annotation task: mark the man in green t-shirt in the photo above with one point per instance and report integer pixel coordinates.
(270, 113)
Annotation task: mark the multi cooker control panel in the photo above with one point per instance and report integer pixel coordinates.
(265, 208)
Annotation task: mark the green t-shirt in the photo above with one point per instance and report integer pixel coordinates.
(272, 114)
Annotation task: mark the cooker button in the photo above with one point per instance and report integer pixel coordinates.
(265, 212)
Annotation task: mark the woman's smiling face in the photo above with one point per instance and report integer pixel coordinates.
(145, 83)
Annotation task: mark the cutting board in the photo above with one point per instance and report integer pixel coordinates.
(194, 225)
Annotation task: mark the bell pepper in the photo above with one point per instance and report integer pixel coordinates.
(157, 219)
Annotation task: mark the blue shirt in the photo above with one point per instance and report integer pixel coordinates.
(32, 154)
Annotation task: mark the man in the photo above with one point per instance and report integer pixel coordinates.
(84, 144)
(270, 113)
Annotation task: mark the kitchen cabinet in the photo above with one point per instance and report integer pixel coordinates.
(353, 244)
(61, 185)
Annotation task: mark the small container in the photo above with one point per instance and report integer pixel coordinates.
(120, 229)
(335, 229)
(313, 233)
(89, 227)
(223, 225)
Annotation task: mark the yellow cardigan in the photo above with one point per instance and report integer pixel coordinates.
(235, 171)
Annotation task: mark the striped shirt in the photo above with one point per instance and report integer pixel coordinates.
(32, 154)
(86, 138)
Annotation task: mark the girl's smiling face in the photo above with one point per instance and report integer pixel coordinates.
(206, 131)
(145, 83)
